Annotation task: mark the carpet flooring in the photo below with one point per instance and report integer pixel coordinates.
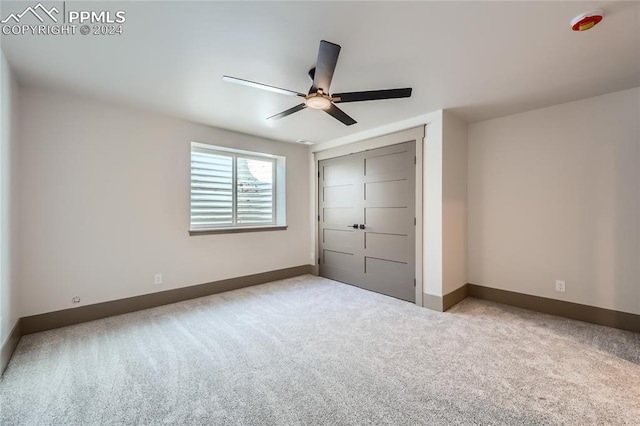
(310, 351)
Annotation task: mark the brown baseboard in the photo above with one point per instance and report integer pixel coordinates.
(442, 304)
(576, 311)
(9, 346)
(65, 317)
(455, 297)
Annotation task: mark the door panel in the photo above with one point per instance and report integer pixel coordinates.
(375, 189)
(383, 267)
(391, 278)
(387, 194)
(339, 171)
(338, 238)
(340, 192)
(340, 215)
(391, 246)
(338, 260)
(340, 266)
(388, 220)
(386, 163)
(339, 196)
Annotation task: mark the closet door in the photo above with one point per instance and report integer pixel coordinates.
(367, 222)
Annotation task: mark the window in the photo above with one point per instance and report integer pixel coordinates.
(234, 190)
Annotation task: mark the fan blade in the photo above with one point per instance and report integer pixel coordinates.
(325, 66)
(287, 112)
(372, 95)
(261, 86)
(339, 114)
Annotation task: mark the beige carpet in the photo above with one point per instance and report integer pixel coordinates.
(310, 351)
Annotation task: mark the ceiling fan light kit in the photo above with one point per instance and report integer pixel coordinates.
(318, 96)
(318, 101)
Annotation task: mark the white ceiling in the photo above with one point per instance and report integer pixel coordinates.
(482, 59)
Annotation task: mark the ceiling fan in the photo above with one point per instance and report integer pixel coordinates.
(319, 96)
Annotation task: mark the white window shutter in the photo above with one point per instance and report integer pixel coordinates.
(211, 189)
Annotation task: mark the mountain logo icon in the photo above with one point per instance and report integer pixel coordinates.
(38, 11)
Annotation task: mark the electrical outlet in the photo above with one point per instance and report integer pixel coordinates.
(75, 300)
(560, 286)
(157, 279)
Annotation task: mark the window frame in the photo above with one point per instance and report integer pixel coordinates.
(278, 205)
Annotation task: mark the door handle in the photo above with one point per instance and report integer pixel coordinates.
(362, 226)
(354, 226)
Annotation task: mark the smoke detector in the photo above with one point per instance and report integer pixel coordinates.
(586, 21)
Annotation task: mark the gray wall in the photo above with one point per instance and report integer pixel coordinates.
(555, 194)
(105, 205)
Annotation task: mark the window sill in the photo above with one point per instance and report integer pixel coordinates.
(237, 230)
